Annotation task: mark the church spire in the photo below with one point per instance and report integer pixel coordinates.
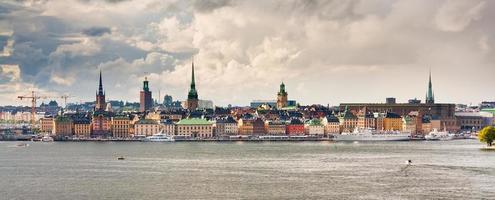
(100, 86)
(193, 82)
(193, 94)
(430, 98)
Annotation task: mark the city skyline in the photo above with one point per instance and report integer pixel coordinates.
(344, 52)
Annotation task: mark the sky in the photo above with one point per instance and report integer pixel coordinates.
(326, 52)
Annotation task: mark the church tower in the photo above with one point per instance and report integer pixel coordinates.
(430, 96)
(145, 99)
(100, 104)
(282, 97)
(192, 96)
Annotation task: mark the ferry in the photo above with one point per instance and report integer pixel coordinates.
(372, 135)
(439, 135)
(159, 137)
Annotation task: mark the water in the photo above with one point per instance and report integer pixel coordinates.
(305, 170)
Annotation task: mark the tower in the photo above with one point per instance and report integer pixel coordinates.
(430, 96)
(100, 104)
(192, 96)
(282, 97)
(145, 99)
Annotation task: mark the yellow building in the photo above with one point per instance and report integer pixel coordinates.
(146, 127)
(82, 128)
(392, 122)
(46, 124)
(195, 127)
(275, 128)
(63, 126)
(121, 126)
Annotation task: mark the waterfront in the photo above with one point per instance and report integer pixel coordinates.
(298, 170)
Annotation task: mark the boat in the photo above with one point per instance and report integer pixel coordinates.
(22, 145)
(372, 135)
(439, 135)
(159, 137)
(121, 158)
(47, 138)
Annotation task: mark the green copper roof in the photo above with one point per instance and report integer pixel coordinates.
(315, 122)
(282, 90)
(194, 121)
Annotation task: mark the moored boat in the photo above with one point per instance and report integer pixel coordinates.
(373, 135)
(159, 137)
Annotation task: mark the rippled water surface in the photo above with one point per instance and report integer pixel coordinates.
(305, 170)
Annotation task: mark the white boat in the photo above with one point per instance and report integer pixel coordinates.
(47, 138)
(372, 135)
(439, 135)
(159, 137)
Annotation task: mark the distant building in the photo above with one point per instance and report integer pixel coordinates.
(46, 125)
(275, 128)
(195, 127)
(100, 104)
(473, 121)
(146, 127)
(145, 99)
(227, 126)
(192, 96)
(167, 101)
(332, 124)
(121, 126)
(282, 97)
(390, 100)
(392, 122)
(82, 127)
(414, 101)
(430, 96)
(314, 127)
(366, 119)
(101, 124)
(168, 127)
(348, 121)
(251, 126)
(63, 127)
(271, 103)
(295, 127)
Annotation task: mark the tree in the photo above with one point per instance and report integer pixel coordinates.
(487, 135)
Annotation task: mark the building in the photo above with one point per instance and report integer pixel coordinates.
(82, 127)
(295, 127)
(168, 127)
(409, 124)
(314, 127)
(46, 125)
(366, 120)
(101, 124)
(63, 127)
(271, 103)
(275, 128)
(167, 101)
(100, 104)
(348, 121)
(121, 126)
(146, 127)
(430, 97)
(226, 126)
(281, 97)
(195, 127)
(392, 122)
(251, 126)
(145, 99)
(473, 121)
(192, 96)
(332, 124)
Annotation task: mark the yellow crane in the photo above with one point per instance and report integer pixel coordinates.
(34, 98)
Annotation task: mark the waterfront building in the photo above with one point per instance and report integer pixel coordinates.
(251, 126)
(275, 128)
(146, 127)
(332, 124)
(154, 116)
(366, 120)
(82, 127)
(101, 124)
(145, 99)
(348, 121)
(63, 126)
(409, 124)
(121, 126)
(281, 97)
(392, 122)
(226, 126)
(473, 121)
(314, 127)
(295, 127)
(46, 124)
(192, 96)
(100, 104)
(168, 127)
(195, 127)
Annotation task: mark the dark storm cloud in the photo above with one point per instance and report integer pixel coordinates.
(210, 5)
(96, 31)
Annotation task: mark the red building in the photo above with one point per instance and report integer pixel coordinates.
(145, 99)
(296, 127)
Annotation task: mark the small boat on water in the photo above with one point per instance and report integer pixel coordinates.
(372, 135)
(121, 158)
(22, 145)
(439, 135)
(47, 138)
(159, 137)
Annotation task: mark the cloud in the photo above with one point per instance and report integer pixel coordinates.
(96, 31)
(456, 15)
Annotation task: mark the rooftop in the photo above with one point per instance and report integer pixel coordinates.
(194, 121)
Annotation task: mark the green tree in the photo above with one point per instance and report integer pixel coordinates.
(487, 135)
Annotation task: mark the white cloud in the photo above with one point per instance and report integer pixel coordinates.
(456, 15)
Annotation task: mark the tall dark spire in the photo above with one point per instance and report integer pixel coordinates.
(430, 98)
(193, 94)
(193, 82)
(100, 86)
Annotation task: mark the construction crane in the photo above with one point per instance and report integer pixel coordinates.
(34, 98)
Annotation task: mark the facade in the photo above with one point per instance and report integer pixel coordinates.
(82, 127)
(63, 126)
(392, 122)
(315, 127)
(472, 121)
(348, 121)
(46, 125)
(145, 99)
(146, 127)
(409, 124)
(121, 126)
(254, 126)
(192, 96)
(195, 127)
(168, 127)
(101, 124)
(295, 127)
(332, 125)
(281, 97)
(227, 126)
(275, 128)
(366, 120)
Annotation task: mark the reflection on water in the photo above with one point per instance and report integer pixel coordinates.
(322, 170)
